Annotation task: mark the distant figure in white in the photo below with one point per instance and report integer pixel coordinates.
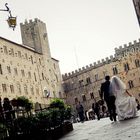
(126, 106)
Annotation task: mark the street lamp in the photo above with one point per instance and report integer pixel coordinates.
(11, 20)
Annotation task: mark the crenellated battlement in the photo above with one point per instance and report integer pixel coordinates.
(89, 67)
(119, 52)
(127, 48)
(36, 20)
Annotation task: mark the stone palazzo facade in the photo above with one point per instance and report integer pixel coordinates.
(28, 69)
(84, 84)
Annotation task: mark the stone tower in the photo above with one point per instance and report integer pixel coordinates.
(34, 35)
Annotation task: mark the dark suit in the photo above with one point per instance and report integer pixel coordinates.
(109, 99)
(80, 111)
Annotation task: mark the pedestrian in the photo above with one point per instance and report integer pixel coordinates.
(138, 104)
(97, 110)
(80, 111)
(109, 98)
(1, 111)
(104, 110)
(93, 106)
(126, 106)
(86, 116)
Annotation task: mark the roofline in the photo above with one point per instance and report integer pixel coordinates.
(54, 59)
(20, 45)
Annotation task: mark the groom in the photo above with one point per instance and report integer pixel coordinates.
(109, 98)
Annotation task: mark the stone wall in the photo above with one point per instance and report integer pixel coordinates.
(28, 69)
(114, 65)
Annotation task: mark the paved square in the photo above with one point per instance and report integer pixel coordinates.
(106, 130)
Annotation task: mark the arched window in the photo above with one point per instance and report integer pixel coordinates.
(39, 61)
(25, 89)
(12, 88)
(126, 66)
(84, 97)
(131, 85)
(137, 63)
(43, 76)
(5, 49)
(0, 69)
(32, 90)
(81, 83)
(76, 100)
(115, 70)
(32, 59)
(19, 87)
(35, 76)
(4, 87)
(88, 80)
(92, 95)
(96, 77)
(9, 69)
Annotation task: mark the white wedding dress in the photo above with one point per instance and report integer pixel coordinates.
(126, 106)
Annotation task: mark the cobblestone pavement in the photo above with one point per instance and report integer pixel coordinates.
(106, 130)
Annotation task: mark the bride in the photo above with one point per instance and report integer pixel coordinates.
(125, 102)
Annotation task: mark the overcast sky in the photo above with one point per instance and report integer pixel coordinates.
(80, 32)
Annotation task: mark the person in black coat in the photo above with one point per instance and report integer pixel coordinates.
(80, 111)
(109, 98)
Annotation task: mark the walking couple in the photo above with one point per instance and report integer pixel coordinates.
(119, 101)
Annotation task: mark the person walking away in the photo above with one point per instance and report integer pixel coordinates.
(109, 98)
(126, 106)
(80, 111)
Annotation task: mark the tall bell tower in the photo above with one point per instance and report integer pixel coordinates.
(34, 35)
